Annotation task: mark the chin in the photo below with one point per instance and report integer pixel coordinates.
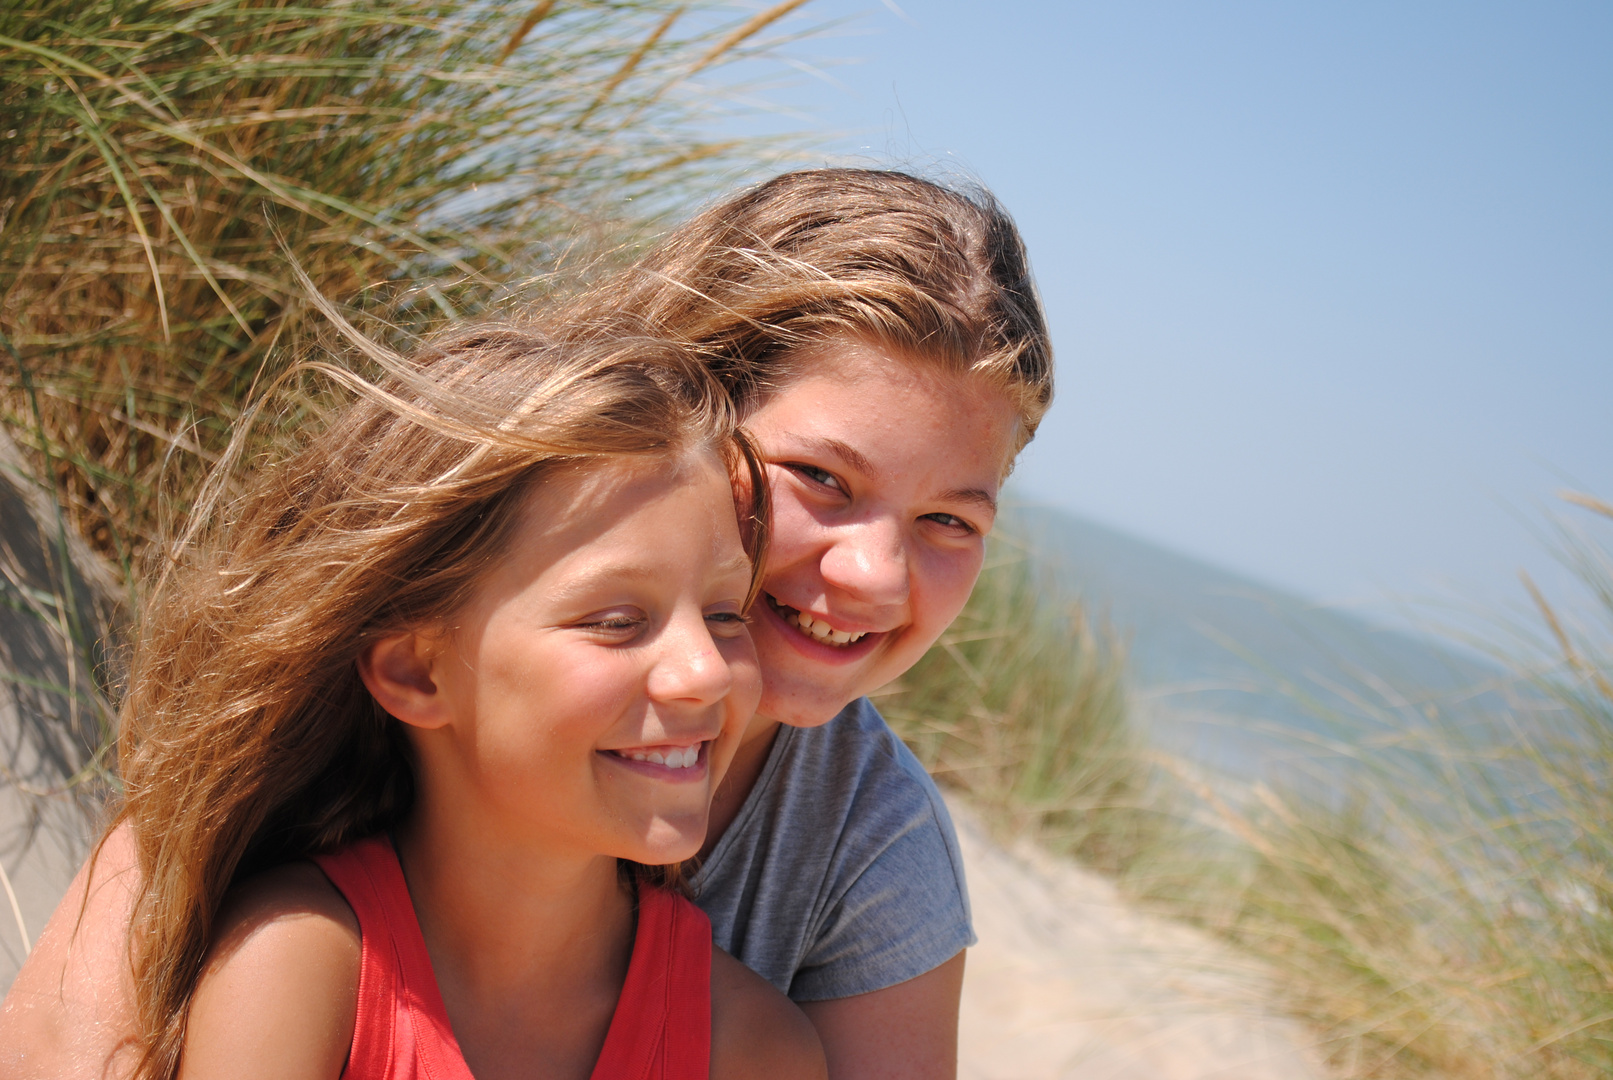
(670, 840)
(809, 709)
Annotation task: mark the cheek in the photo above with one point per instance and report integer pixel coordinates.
(794, 530)
(523, 710)
(941, 584)
(746, 670)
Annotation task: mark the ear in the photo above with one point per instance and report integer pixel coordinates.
(397, 670)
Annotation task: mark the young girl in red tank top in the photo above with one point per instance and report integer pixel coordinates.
(421, 724)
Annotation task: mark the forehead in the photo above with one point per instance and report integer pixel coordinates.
(615, 509)
(860, 393)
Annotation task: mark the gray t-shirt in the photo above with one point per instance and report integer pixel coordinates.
(841, 873)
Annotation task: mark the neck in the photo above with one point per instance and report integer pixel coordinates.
(741, 777)
(507, 922)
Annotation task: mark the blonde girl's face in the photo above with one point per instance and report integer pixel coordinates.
(595, 688)
(885, 475)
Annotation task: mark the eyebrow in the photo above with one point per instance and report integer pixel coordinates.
(844, 451)
(981, 498)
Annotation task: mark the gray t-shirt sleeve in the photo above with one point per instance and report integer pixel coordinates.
(841, 875)
(905, 914)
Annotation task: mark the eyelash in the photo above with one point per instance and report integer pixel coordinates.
(620, 622)
(956, 522)
(822, 477)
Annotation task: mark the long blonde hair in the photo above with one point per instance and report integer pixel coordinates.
(247, 738)
(939, 274)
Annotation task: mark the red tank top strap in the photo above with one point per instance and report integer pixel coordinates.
(662, 1026)
(661, 1029)
(402, 1030)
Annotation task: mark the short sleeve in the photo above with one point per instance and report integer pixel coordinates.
(907, 913)
(841, 874)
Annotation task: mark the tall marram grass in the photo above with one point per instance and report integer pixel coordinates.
(1451, 915)
(1439, 905)
(1021, 706)
(162, 161)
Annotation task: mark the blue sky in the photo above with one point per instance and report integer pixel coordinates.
(1331, 285)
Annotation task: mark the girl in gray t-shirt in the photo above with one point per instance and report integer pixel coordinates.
(884, 336)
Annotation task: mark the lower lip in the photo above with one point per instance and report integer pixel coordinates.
(809, 646)
(689, 774)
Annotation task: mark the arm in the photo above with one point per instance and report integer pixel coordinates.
(905, 1032)
(278, 994)
(70, 1013)
(757, 1031)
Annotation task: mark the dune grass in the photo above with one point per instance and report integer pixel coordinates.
(1445, 907)
(1440, 904)
(162, 159)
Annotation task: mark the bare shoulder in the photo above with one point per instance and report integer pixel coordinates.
(70, 1012)
(279, 987)
(757, 1031)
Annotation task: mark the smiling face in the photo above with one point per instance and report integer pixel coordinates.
(885, 476)
(593, 691)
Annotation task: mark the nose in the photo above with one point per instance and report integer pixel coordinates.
(689, 668)
(869, 561)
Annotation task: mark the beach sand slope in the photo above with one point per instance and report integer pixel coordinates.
(1069, 982)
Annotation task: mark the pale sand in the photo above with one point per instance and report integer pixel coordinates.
(1069, 981)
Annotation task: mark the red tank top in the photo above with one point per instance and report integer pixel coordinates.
(661, 1029)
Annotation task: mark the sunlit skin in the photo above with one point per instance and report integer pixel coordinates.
(612, 634)
(611, 631)
(885, 474)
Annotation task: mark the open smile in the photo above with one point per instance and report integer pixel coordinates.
(673, 762)
(817, 628)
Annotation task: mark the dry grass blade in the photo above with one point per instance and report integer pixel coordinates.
(538, 13)
(743, 33)
(1589, 502)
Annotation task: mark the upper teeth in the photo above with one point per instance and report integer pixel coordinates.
(672, 759)
(817, 628)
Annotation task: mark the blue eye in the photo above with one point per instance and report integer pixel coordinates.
(727, 623)
(815, 474)
(950, 521)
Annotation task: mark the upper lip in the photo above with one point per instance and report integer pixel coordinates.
(838, 622)
(682, 740)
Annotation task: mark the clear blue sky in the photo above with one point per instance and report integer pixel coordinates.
(1331, 284)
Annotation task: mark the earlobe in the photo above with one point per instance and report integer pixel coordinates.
(397, 671)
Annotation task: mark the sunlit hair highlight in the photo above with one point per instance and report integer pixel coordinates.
(763, 278)
(247, 738)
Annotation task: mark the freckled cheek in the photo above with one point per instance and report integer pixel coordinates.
(940, 588)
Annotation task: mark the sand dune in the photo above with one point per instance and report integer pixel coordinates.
(1069, 982)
